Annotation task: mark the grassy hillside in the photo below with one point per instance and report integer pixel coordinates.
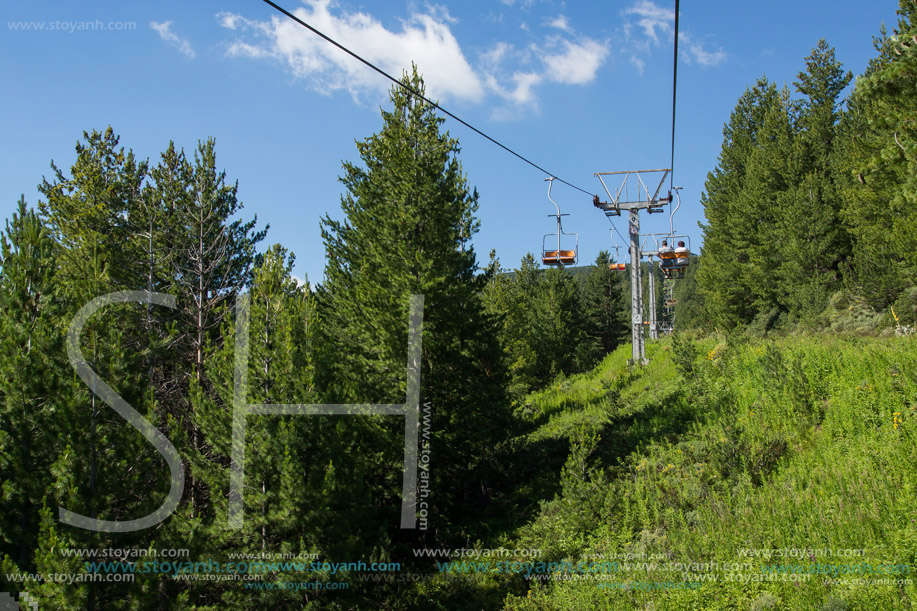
(730, 473)
(721, 453)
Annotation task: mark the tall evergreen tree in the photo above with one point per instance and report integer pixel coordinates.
(509, 299)
(115, 231)
(814, 243)
(30, 367)
(562, 343)
(762, 202)
(105, 470)
(731, 240)
(289, 466)
(210, 253)
(876, 165)
(409, 215)
(549, 324)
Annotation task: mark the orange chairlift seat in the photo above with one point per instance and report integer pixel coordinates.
(553, 257)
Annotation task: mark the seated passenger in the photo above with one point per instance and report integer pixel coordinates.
(681, 257)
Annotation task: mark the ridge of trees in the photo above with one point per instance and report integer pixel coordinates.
(811, 204)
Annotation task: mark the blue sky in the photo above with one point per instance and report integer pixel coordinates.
(578, 87)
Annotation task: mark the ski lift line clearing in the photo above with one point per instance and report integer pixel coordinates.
(560, 253)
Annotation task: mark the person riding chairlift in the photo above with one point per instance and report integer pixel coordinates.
(681, 258)
(666, 259)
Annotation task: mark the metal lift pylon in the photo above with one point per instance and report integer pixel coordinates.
(634, 196)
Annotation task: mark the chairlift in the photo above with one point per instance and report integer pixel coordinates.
(619, 266)
(674, 255)
(561, 255)
(674, 250)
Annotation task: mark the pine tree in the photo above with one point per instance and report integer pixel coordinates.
(732, 247)
(509, 299)
(30, 365)
(815, 243)
(209, 254)
(562, 342)
(689, 309)
(289, 466)
(771, 169)
(409, 215)
(548, 323)
(104, 468)
(876, 164)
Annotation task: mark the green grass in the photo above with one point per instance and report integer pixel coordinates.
(726, 444)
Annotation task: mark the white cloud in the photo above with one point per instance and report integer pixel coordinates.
(578, 63)
(441, 13)
(560, 22)
(424, 39)
(521, 92)
(657, 24)
(166, 33)
(243, 49)
(515, 74)
(495, 56)
(695, 50)
(638, 63)
(652, 18)
(511, 74)
(229, 20)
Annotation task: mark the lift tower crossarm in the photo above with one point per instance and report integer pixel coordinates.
(622, 200)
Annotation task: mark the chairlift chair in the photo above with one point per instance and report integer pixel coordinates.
(619, 266)
(561, 254)
(674, 255)
(674, 250)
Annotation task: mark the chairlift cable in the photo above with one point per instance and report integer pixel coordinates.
(674, 89)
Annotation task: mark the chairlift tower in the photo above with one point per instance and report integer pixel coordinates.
(633, 196)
